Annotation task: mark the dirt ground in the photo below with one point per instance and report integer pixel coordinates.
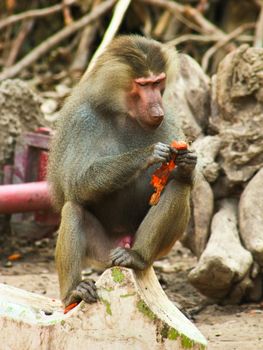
(226, 327)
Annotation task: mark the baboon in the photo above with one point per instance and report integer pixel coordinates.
(113, 132)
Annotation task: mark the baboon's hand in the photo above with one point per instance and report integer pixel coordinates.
(127, 258)
(186, 161)
(161, 152)
(86, 290)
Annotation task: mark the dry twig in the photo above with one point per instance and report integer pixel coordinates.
(47, 45)
(67, 13)
(34, 14)
(202, 6)
(187, 12)
(10, 5)
(87, 37)
(117, 18)
(258, 42)
(225, 40)
(162, 24)
(142, 13)
(25, 29)
(206, 38)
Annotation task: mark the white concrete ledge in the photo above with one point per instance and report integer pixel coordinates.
(133, 313)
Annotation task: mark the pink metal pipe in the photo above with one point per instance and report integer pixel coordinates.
(25, 197)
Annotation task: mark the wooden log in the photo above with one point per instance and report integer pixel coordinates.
(133, 312)
(225, 263)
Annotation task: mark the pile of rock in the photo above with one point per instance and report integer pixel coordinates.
(226, 229)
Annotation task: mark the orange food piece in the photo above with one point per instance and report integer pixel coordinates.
(14, 257)
(70, 307)
(179, 145)
(161, 175)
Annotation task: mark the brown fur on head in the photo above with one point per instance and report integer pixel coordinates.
(128, 57)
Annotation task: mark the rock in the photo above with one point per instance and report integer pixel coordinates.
(197, 91)
(207, 149)
(237, 112)
(191, 97)
(251, 217)
(240, 291)
(202, 207)
(255, 292)
(224, 262)
(223, 188)
(63, 90)
(49, 106)
(20, 111)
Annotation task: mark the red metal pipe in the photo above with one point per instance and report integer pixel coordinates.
(25, 197)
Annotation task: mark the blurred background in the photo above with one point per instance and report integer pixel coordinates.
(205, 29)
(215, 273)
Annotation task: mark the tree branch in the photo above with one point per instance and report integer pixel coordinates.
(46, 46)
(210, 52)
(18, 42)
(258, 42)
(187, 11)
(205, 38)
(34, 14)
(112, 29)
